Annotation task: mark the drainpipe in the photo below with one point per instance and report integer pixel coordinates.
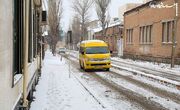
(25, 51)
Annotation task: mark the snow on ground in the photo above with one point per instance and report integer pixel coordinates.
(139, 90)
(144, 80)
(109, 98)
(56, 91)
(153, 65)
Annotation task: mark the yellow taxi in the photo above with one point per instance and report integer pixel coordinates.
(94, 54)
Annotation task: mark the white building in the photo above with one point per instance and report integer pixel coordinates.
(91, 26)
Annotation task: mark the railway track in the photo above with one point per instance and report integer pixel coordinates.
(133, 97)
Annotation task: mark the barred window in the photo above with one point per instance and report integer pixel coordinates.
(145, 36)
(167, 31)
(17, 37)
(129, 36)
(30, 49)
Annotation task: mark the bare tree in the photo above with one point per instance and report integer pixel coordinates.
(82, 7)
(76, 29)
(55, 11)
(101, 10)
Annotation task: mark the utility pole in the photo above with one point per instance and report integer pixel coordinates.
(174, 35)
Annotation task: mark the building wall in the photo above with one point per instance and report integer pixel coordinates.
(8, 94)
(125, 8)
(91, 26)
(113, 34)
(10, 85)
(155, 17)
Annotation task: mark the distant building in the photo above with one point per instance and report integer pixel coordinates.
(94, 24)
(91, 26)
(149, 31)
(113, 34)
(125, 8)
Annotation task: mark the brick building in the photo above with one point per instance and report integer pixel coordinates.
(148, 32)
(113, 34)
(125, 8)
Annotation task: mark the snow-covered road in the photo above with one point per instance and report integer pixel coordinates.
(128, 86)
(98, 90)
(56, 91)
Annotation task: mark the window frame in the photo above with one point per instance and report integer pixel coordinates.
(145, 36)
(167, 28)
(30, 43)
(18, 26)
(129, 36)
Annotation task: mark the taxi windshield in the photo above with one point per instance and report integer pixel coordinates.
(97, 50)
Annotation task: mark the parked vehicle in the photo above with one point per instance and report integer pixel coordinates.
(94, 54)
(62, 50)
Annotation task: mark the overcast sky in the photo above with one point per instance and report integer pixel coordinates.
(113, 10)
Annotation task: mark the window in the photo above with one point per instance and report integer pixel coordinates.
(36, 36)
(129, 34)
(17, 37)
(97, 50)
(167, 31)
(30, 49)
(145, 36)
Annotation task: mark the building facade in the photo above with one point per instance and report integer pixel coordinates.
(91, 26)
(20, 52)
(114, 33)
(125, 8)
(149, 32)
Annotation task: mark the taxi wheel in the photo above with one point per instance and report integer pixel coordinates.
(84, 68)
(80, 65)
(107, 69)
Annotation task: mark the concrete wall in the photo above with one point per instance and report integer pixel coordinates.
(145, 16)
(8, 95)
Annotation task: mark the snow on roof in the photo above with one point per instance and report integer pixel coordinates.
(97, 29)
(115, 24)
(111, 25)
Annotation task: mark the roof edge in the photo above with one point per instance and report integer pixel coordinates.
(138, 7)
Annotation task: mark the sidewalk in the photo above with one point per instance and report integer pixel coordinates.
(56, 91)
